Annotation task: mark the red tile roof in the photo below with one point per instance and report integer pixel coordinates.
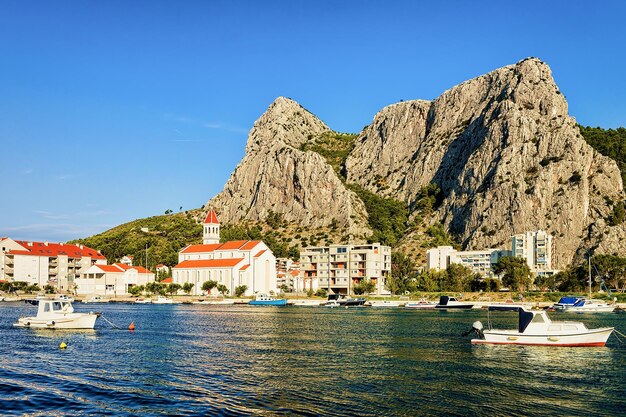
(167, 280)
(211, 218)
(260, 253)
(243, 268)
(233, 244)
(56, 249)
(250, 245)
(209, 263)
(201, 248)
(110, 268)
(295, 273)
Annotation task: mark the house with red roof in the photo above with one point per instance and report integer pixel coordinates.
(112, 280)
(233, 263)
(45, 263)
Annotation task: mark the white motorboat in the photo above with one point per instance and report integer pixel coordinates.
(57, 314)
(64, 297)
(446, 303)
(96, 299)
(305, 303)
(216, 302)
(143, 301)
(536, 328)
(421, 304)
(332, 304)
(163, 300)
(385, 303)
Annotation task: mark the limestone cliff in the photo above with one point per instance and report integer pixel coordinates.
(501, 146)
(275, 175)
(507, 156)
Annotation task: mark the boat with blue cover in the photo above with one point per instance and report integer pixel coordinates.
(536, 328)
(266, 300)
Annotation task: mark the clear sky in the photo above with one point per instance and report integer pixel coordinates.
(116, 110)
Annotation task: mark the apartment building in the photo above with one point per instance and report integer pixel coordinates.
(338, 268)
(45, 263)
(479, 261)
(536, 247)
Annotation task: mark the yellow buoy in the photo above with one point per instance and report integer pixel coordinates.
(62, 345)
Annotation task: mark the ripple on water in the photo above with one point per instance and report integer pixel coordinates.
(232, 360)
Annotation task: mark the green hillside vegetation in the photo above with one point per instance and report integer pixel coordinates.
(333, 146)
(609, 142)
(163, 235)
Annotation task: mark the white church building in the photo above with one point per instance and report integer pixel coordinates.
(235, 263)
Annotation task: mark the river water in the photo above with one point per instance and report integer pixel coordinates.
(242, 360)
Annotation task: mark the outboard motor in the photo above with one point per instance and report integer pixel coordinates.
(477, 327)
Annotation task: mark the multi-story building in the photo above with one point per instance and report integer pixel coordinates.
(235, 263)
(479, 261)
(338, 268)
(536, 248)
(112, 280)
(45, 263)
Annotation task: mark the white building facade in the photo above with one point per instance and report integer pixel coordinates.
(536, 248)
(233, 264)
(338, 268)
(112, 280)
(478, 261)
(45, 263)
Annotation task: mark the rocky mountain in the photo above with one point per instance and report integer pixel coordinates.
(501, 147)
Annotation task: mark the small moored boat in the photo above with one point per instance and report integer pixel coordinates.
(583, 305)
(421, 304)
(163, 300)
(215, 302)
(96, 299)
(536, 328)
(57, 314)
(447, 303)
(266, 300)
(384, 303)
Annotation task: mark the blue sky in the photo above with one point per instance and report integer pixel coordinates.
(116, 110)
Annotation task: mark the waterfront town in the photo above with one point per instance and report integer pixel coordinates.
(247, 264)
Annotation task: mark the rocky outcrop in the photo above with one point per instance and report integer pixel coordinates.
(275, 175)
(507, 156)
(501, 147)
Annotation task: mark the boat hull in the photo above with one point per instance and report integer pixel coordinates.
(268, 303)
(595, 337)
(454, 307)
(69, 321)
(420, 306)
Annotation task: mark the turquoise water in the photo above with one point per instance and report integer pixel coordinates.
(242, 360)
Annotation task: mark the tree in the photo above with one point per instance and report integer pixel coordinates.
(32, 288)
(402, 276)
(321, 292)
(223, 289)
(613, 267)
(515, 272)
(240, 290)
(136, 290)
(284, 288)
(209, 285)
(187, 287)
(173, 288)
(48, 289)
(456, 278)
(366, 286)
(545, 282)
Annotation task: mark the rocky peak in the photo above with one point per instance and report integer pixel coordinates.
(285, 122)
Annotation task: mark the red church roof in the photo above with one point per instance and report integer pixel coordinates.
(211, 218)
(209, 263)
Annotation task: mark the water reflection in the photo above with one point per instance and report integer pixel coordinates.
(239, 360)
